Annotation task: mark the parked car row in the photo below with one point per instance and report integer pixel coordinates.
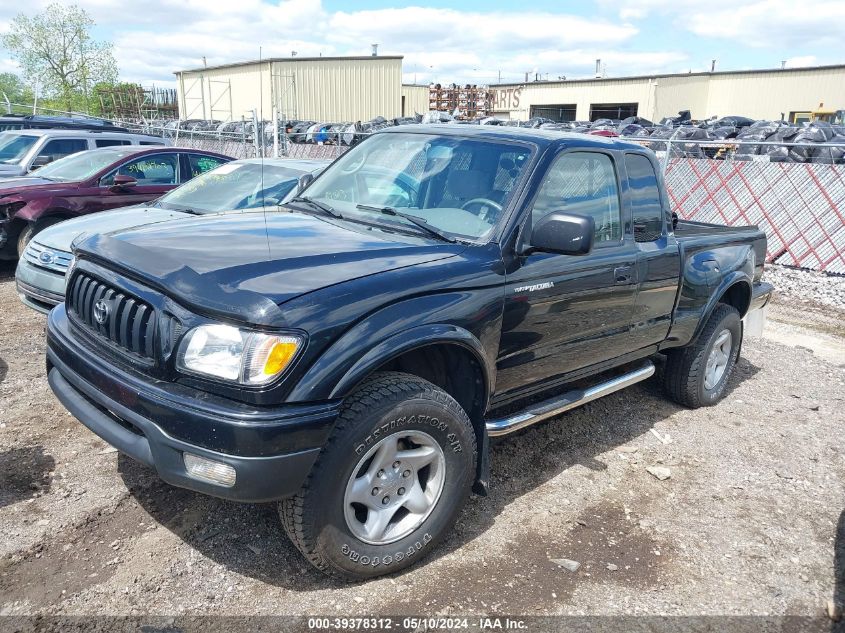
(24, 151)
(726, 137)
(90, 181)
(219, 186)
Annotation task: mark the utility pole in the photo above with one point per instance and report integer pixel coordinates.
(84, 80)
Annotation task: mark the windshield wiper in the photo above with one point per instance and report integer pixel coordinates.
(418, 222)
(319, 205)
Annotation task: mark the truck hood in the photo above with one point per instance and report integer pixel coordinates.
(245, 265)
(60, 236)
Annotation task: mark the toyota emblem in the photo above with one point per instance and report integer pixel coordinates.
(47, 257)
(101, 312)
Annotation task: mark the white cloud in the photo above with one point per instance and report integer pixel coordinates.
(759, 23)
(775, 24)
(162, 36)
(802, 61)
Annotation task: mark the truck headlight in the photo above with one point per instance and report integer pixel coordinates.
(236, 355)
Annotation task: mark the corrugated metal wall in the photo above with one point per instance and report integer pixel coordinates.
(763, 95)
(224, 93)
(415, 99)
(766, 95)
(330, 89)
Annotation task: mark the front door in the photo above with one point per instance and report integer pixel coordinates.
(155, 175)
(565, 312)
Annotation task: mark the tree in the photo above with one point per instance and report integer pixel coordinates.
(56, 51)
(13, 89)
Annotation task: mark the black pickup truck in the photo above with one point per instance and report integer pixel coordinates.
(351, 353)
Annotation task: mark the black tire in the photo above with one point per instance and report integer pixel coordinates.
(684, 373)
(23, 238)
(31, 230)
(315, 518)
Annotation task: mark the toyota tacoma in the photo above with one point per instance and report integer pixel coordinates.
(350, 353)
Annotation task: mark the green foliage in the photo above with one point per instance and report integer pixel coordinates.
(55, 51)
(14, 89)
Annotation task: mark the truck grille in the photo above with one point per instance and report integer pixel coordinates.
(112, 314)
(43, 257)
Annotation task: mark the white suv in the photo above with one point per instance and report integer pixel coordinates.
(22, 151)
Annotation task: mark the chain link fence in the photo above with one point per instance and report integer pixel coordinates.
(799, 205)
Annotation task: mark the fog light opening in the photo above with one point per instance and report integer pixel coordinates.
(209, 470)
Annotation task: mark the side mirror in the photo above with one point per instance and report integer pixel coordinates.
(304, 181)
(122, 182)
(562, 233)
(40, 161)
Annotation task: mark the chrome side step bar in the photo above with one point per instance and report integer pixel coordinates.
(565, 402)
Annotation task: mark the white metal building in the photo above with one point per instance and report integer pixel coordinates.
(414, 99)
(318, 88)
(760, 94)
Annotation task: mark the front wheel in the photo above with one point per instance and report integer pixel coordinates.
(697, 376)
(31, 230)
(390, 482)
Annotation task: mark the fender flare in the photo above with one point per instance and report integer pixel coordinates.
(731, 279)
(406, 341)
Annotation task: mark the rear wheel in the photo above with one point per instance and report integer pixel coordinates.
(390, 482)
(698, 375)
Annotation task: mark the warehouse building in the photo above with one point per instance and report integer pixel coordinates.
(318, 88)
(346, 89)
(759, 94)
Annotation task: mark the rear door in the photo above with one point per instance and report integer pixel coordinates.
(658, 256)
(195, 164)
(565, 312)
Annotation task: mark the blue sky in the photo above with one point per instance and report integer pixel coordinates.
(469, 41)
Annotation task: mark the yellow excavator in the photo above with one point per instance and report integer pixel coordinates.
(834, 117)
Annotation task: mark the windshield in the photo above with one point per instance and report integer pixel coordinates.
(82, 165)
(234, 185)
(13, 147)
(458, 186)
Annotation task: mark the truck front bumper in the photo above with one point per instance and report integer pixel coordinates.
(268, 452)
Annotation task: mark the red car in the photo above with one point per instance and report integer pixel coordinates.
(95, 180)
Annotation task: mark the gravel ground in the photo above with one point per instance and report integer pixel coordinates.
(746, 524)
(799, 286)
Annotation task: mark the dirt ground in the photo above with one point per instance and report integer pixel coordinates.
(746, 524)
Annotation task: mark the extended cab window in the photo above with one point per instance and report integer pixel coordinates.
(582, 183)
(158, 169)
(645, 198)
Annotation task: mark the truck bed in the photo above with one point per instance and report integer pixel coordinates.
(688, 228)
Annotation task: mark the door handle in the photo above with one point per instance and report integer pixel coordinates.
(622, 275)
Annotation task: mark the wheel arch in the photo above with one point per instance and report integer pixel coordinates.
(445, 355)
(735, 291)
(55, 212)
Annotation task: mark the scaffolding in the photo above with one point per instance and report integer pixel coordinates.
(131, 102)
(470, 101)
